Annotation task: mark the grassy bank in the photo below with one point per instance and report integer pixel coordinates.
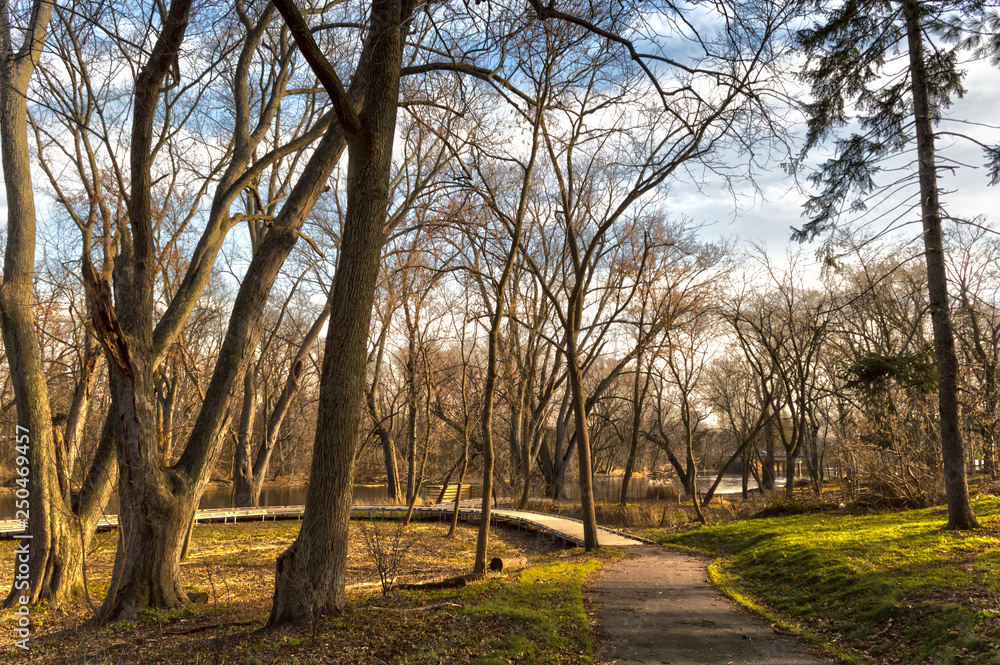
(532, 613)
(889, 588)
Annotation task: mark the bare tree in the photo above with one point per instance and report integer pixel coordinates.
(310, 574)
(974, 264)
(157, 502)
(782, 329)
(251, 467)
(55, 571)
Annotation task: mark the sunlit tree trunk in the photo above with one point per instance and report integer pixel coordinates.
(310, 576)
(960, 513)
(53, 535)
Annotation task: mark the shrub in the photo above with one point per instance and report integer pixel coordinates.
(387, 543)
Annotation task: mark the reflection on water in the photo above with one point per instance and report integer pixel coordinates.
(606, 489)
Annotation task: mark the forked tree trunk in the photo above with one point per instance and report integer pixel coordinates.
(960, 513)
(555, 464)
(152, 514)
(147, 563)
(691, 462)
(292, 385)
(158, 504)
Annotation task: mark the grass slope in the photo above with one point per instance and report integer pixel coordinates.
(890, 588)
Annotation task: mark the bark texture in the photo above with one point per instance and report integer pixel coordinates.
(55, 536)
(310, 575)
(960, 513)
(157, 504)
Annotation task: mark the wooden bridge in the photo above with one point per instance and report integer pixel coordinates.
(565, 530)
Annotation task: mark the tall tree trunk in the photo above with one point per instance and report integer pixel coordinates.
(960, 513)
(411, 421)
(493, 348)
(489, 393)
(52, 539)
(310, 575)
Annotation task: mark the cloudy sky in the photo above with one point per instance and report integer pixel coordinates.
(766, 216)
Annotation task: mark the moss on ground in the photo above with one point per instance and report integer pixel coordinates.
(890, 588)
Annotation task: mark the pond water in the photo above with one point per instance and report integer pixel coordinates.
(606, 489)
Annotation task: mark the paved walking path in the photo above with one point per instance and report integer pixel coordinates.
(659, 607)
(654, 607)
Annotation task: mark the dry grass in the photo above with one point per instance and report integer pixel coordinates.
(234, 565)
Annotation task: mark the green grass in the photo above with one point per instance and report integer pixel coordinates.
(535, 617)
(892, 587)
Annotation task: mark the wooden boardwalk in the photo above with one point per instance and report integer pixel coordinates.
(562, 529)
(567, 530)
